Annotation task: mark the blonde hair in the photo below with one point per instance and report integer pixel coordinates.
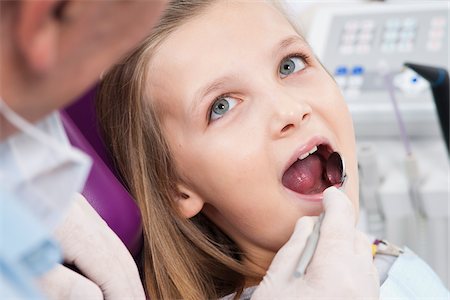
(181, 258)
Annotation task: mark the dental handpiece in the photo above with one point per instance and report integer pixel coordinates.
(334, 162)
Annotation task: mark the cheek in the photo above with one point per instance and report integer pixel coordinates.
(335, 110)
(228, 173)
(327, 100)
(218, 165)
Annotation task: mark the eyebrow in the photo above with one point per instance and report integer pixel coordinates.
(220, 82)
(211, 87)
(290, 40)
(214, 85)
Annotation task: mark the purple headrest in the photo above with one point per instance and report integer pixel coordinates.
(103, 190)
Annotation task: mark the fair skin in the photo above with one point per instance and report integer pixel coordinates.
(240, 157)
(53, 51)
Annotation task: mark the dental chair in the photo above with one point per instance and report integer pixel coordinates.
(103, 190)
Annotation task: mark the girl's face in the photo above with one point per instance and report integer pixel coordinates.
(242, 98)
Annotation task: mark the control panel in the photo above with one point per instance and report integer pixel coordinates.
(360, 44)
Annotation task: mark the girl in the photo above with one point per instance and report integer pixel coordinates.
(220, 126)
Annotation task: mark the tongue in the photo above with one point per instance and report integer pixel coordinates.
(306, 176)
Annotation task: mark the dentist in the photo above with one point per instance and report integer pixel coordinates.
(51, 52)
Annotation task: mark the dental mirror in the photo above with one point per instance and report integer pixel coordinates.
(335, 169)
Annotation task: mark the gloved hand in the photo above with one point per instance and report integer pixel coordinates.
(88, 243)
(342, 266)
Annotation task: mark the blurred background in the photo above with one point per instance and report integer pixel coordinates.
(400, 112)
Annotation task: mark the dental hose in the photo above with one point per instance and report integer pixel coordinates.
(411, 167)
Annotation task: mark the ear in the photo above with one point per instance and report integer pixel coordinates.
(189, 203)
(36, 34)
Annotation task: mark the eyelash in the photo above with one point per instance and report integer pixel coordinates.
(305, 57)
(212, 104)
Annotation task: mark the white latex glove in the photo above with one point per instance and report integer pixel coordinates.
(88, 243)
(342, 266)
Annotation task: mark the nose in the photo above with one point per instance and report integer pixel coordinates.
(289, 114)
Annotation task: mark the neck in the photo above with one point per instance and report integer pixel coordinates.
(258, 262)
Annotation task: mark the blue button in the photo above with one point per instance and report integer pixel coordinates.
(341, 71)
(358, 70)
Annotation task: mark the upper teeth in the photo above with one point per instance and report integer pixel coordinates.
(305, 155)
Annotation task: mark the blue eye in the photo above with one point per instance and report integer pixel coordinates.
(221, 106)
(291, 65)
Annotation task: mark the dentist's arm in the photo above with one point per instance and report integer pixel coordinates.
(341, 268)
(89, 244)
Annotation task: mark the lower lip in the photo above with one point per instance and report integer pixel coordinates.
(314, 198)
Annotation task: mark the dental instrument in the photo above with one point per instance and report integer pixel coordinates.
(439, 83)
(335, 171)
(411, 166)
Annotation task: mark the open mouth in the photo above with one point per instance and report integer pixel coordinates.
(308, 174)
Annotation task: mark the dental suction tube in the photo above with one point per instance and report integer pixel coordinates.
(439, 82)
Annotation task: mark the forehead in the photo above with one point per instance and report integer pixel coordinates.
(229, 20)
(219, 40)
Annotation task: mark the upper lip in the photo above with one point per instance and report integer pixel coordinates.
(314, 141)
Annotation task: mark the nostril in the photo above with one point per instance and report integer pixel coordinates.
(286, 128)
(305, 117)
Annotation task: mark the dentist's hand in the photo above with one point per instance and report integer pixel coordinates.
(342, 266)
(88, 243)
